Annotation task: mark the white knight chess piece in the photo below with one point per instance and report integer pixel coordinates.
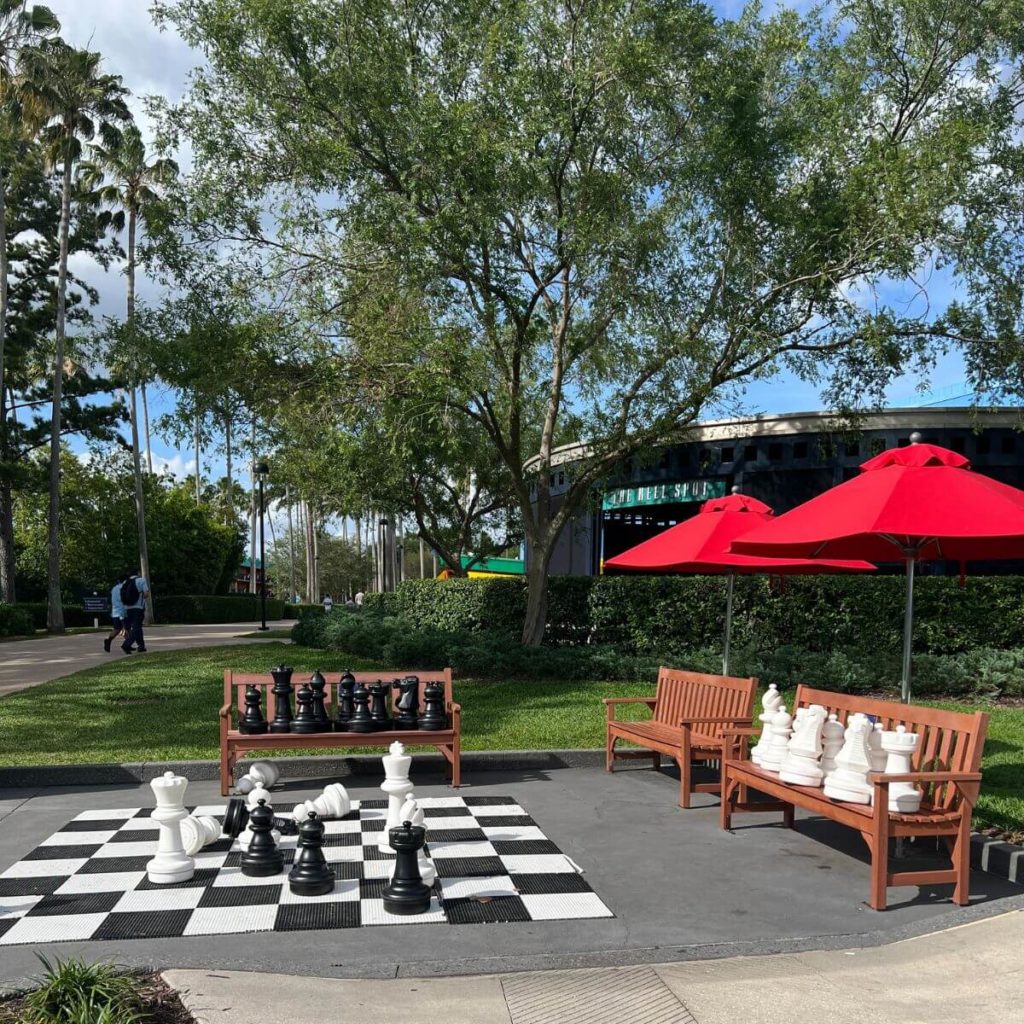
(397, 787)
(832, 736)
(849, 781)
(197, 831)
(899, 747)
(171, 863)
(770, 703)
(801, 766)
(778, 740)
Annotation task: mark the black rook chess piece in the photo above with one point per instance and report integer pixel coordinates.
(361, 720)
(252, 722)
(407, 893)
(318, 685)
(262, 857)
(311, 875)
(344, 708)
(282, 699)
(379, 693)
(434, 716)
(408, 704)
(304, 720)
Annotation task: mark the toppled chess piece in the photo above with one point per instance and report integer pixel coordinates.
(260, 773)
(197, 831)
(252, 722)
(333, 802)
(397, 787)
(282, 692)
(311, 875)
(236, 819)
(407, 893)
(770, 703)
(849, 781)
(262, 857)
(171, 863)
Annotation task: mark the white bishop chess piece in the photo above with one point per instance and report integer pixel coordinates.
(197, 831)
(412, 812)
(778, 740)
(899, 747)
(832, 736)
(801, 766)
(770, 703)
(333, 802)
(849, 781)
(171, 863)
(397, 786)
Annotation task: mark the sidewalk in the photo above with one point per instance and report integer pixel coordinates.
(26, 663)
(959, 976)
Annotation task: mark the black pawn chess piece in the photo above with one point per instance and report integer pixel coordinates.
(237, 817)
(311, 875)
(434, 717)
(304, 720)
(345, 704)
(361, 720)
(407, 893)
(252, 722)
(408, 704)
(379, 693)
(318, 685)
(262, 858)
(282, 699)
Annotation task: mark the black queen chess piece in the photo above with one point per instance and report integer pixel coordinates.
(407, 893)
(252, 722)
(408, 703)
(379, 693)
(361, 720)
(311, 875)
(434, 717)
(318, 685)
(262, 857)
(344, 702)
(304, 720)
(282, 699)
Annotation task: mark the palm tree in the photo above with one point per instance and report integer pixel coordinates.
(83, 104)
(122, 180)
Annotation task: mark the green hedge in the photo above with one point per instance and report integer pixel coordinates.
(15, 620)
(300, 611)
(73, 614)
(199, 608)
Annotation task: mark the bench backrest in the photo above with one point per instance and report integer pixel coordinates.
(235, 684)
(683, 694)
(951, 741)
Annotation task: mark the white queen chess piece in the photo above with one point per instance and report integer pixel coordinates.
(770, 703)
(899, 747)
(171, 863)
(832, 736)
(411, 811)
(397, 786)
(849, 781)
(801, 766)
(197, 831)
(778, 740)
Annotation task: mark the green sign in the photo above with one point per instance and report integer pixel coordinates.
(663, 494)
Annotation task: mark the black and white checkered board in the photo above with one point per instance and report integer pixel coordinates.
(88, 881)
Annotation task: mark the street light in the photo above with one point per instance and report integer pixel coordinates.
(261, 470)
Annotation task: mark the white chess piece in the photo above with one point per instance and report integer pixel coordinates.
(171, 863)
(832, 736)
(849, 781)
(255, 795)
(411, 811)
(876, 755)
(778, 740)
(770, 703)
(261, 773)
(197, 831)
(800, 766)
(899, 747)
(397, 786)
(333, 802)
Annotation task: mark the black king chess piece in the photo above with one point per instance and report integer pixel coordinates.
(304, 720)
(408, 704)
(252, 722)
(434, 716)
(379, 693)
(262, 857)
(311, 875)
(344, 703)
(361, 720)
(407, 893)
(282, 699)
(318, 685)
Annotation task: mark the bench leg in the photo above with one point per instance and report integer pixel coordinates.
(961, 855)
(609, 752)
(656, 759)
(725, 808)
(456, 765)
(880, 850)
(788, 815)
(226, 764)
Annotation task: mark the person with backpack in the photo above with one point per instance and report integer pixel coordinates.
(117, 623)
(134, 592)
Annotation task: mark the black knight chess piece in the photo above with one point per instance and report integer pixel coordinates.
(408, 704)
(407, 893)
(318, 685)
(344, 703)
(304, 720)
(379, 693)
(262, 858)
(311, 875)
(282, 699)
(434, 717)
(361, 720)
(252, 722)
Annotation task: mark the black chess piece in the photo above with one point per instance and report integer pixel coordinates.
(237, 817)
(318, 685)
(344, 703)
(252, 722)
(407, 893)
(361, 720)
(304, 720)
(379, 693)
(262, 858)
(434, 717)
(408, 704)
(311, 875)
(282, 699)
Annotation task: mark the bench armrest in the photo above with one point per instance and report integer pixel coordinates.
(225, 712)
(881, 779)
(745, 731)
(610, 703)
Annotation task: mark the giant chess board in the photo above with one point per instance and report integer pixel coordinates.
(88, 881)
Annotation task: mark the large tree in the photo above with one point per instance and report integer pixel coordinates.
(618, 213)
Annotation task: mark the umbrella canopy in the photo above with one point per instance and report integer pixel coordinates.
(918, 502)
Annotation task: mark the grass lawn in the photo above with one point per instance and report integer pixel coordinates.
(164, 707)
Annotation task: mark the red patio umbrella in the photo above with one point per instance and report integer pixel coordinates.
(915, 503)
(701, 545)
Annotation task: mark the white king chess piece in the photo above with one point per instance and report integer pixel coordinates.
(260, 773)
(333, 802)
(778, 740)
(770, 703)
(171, 863)
(397, 786)
(899, 747)
(197, 831)
(411, 811)
(801, 766)
(832, 736)
(849, 781)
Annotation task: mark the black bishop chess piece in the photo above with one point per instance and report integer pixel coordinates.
(379, 693)
(262, 858)
(344, 703)
(252, 722)
(361, 720)
(311, 875)
(407, 893)
(434, 717)
(408, 703)
(318, 685)
(282, 699)
(304, 720)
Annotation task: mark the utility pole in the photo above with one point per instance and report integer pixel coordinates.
(291, 540)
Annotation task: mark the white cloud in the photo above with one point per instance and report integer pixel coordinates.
(177, 465)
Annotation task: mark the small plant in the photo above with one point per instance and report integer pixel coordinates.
(74, 992)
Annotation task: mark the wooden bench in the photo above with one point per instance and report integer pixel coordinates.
(689, 713)
(946, 765)
(233, 744)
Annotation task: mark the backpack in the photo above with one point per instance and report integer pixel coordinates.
(129, 592)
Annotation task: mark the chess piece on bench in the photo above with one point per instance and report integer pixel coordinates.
(311, 875)
(282, 692)
(197, 831)
(407, 893)
(361, 720)
(800, 767)
(305, 720)
(408, 704)
(261, 857)
(252, 722)
(778, 740)
(899, 747)
(832, 736)
(318, 685)
(434, 717)
(849, 781)
(397, 787)
(876, 755)
(171, 863)
(344, 704)
(379, 713)
(411, 811)
(770, 703)
(333, 802)
(260, 773)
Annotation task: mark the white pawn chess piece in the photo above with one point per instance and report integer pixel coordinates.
(770, 703)
(171, 863)
(333, 802)
(899, 747)
(832, 736)
(261, 773)
(849, 781)
(397, 786)
(800, 766)
(412, 812)
(197, 831)
(778, 740)
(876, 755)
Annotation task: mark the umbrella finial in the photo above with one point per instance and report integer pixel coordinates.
(915, 437)
(735, 489)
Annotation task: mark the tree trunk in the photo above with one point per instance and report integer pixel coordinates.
(3, 290)
(199, 472)
(291, 541)
(315, 527)
(7, 562)
(145, 404)
(54, 607)
(423, 563)
(536, 597)
(252, 506)
(227, 459)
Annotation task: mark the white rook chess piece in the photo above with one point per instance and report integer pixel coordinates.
(801, 766)
(197, 831)
(397, 786)
(778, 740)
(849, 781)
(832, 736)
(171, 863)
(411, 811)
(899, 747)
(770, 703)
(261, 773)
(333, 802)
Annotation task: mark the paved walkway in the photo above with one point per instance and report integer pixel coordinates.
(25, 663)
(960, 976)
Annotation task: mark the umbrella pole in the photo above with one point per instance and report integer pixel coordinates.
(730, 588)
(908, 629)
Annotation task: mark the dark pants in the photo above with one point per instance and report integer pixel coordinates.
(133, 628)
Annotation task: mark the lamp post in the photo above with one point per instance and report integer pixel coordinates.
(262, 469)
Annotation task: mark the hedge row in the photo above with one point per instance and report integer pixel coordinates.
(197, 608)
(15, 620)
(300, 611)
(73, 615)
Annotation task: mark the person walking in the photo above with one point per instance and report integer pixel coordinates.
(117, 623)
(134, 592)
(328, 602)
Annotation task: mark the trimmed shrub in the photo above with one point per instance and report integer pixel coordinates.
(301, 611)
(381, 604)
(199, 608)
(73, 615)
(15, 620)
